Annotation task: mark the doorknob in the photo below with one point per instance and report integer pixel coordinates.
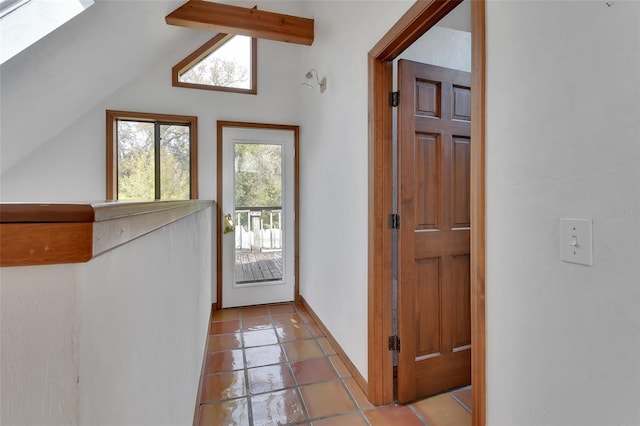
(228, 224)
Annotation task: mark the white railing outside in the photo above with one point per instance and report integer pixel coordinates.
(258, 229)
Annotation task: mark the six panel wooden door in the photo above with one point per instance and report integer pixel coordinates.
(434, 320)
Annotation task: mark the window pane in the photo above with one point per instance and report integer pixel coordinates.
(227, 66)
(259, 216)
(174, 162)
(136, 170)
(258, 175)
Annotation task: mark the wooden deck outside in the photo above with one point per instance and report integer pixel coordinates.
(256, 266)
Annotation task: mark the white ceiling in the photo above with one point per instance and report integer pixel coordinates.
(52, 83)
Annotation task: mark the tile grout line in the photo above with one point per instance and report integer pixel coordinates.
(468, 409)
(296, 389)
(295, 379)
(417, 414)
(358, 410)
(248, 394)
(271, 327)
(246, 370)
(296, 386)
(310, 328)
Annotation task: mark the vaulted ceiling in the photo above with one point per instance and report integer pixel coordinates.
(51, 84)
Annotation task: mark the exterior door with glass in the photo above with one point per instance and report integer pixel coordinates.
(257, 204)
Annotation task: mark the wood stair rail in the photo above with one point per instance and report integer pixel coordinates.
(223, 18)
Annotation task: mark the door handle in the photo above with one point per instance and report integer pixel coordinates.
(228, 224)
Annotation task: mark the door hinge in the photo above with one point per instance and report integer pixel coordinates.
(394, 343)
(394, 221)
(394, 99)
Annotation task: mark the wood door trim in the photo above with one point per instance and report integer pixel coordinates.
(296, 205)
(418, 19)
(380, 374)
(478, 208)
(412, 25)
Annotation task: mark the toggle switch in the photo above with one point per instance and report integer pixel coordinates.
(576, 241)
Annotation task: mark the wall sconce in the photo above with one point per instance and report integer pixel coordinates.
(309, 83)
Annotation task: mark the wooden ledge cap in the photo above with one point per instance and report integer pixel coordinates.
(46, 233)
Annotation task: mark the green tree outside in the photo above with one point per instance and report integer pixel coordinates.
(214, 71)
(258, 180)
(136, 161)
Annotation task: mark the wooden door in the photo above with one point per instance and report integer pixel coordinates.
(434, 319)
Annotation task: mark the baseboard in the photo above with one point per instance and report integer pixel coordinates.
(196, 413)
(362, 383)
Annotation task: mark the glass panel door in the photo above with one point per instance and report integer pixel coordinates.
(258, 212)
(257, 204)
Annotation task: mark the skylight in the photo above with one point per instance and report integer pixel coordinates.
(23, 22)
(8, 6)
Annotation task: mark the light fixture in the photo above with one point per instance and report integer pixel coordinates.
(309, 83)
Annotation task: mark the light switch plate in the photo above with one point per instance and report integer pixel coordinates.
(576, 241)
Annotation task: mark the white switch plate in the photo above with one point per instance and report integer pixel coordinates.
(576, 242)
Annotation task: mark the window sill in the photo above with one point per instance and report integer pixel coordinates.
(44, 234)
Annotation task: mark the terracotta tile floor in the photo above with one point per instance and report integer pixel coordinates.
(271, 365)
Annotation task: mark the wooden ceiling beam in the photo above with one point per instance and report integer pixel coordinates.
(223, 18)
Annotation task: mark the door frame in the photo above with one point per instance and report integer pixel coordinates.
(296, 202)
(410, 27)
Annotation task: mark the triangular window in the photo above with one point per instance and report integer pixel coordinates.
(227, 62)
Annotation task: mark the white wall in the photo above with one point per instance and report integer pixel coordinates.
(115, 341)
(333, 154)
(444, 47)
(51, 84)
(563, 140)
(144, 316)
(38, 345)
(70, 164)
(334, 171)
